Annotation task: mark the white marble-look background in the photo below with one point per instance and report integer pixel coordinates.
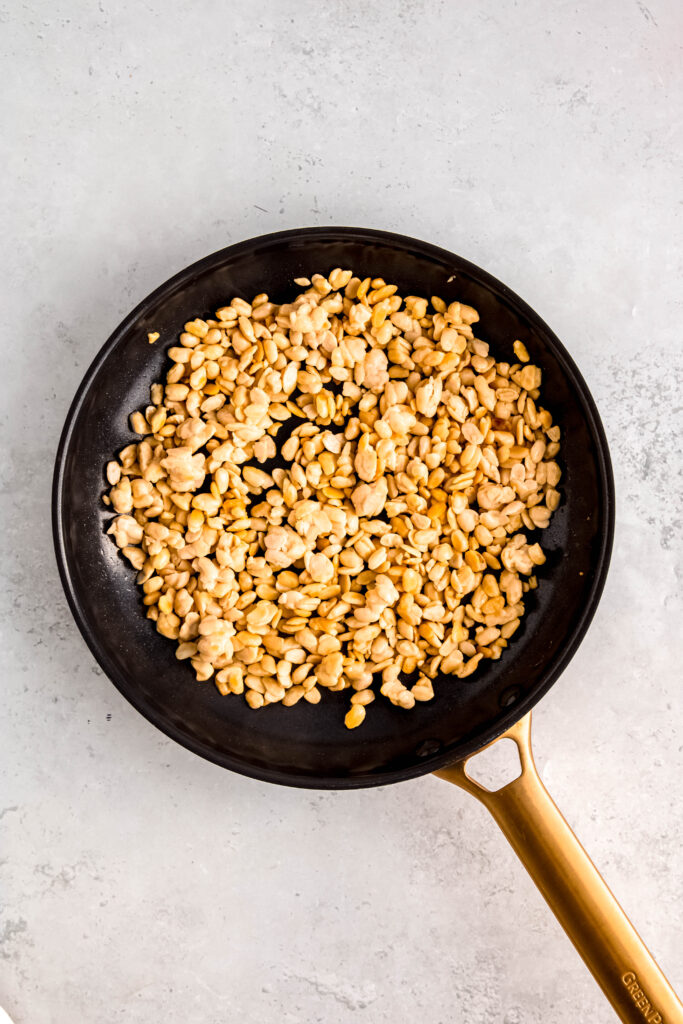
(541, 141)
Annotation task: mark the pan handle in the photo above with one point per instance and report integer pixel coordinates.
(574, 889)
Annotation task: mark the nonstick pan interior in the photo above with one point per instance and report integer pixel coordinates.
(309, 745)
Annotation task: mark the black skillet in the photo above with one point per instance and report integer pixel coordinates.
(309, 745)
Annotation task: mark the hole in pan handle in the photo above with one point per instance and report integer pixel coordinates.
(574, 889)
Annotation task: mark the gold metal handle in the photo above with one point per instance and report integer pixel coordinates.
(574, 889)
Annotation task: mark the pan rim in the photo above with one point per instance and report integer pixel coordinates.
(572, 641)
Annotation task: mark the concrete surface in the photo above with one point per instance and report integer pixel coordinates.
(139, 883)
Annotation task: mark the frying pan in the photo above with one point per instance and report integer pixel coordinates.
(309, 745)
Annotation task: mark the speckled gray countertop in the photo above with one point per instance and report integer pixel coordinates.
(139, 883)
